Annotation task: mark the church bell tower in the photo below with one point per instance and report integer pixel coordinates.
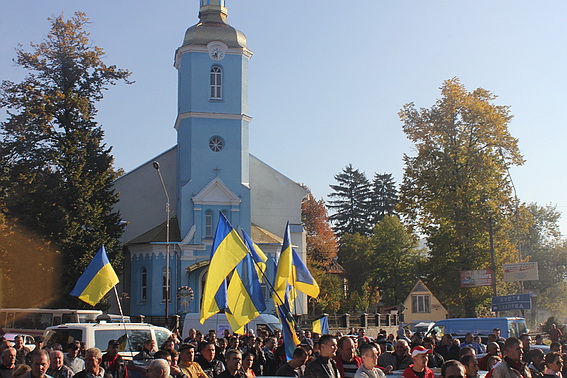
(212, 125)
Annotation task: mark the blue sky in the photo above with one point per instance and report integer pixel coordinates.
(328, 78)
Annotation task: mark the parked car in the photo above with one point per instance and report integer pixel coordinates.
(131, 336)
(28, 339)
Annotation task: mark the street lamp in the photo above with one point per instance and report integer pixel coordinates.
(156, 166)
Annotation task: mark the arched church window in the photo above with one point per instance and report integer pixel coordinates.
(216, 83)
(144, 285)
(209, 224)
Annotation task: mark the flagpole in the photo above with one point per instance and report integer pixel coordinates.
(119, 305)
(167, 210)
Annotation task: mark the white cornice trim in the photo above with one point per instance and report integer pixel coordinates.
(203, 49)
(186, 115)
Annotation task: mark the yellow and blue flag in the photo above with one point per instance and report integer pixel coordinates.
(291, 270)
(291, 341)
(283, 272)
(227, 252)
(97, 280)
(258, 255)
(321, 325)
(301, 277)
(245, 298)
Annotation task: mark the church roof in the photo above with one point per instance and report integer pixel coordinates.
(213, 26)
(262, 236)
(158, 234)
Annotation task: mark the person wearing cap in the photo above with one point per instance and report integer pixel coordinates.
(72, 358)
(112, 362)
(419, 369)
(187, 363)
(368, 369)
(399, 359)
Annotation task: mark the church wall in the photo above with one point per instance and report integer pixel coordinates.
(275, 198)
(142, 200)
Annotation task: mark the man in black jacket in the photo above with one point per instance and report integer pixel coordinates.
(210, 365)
(324, 366)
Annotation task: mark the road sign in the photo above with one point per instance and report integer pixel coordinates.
(512, 302)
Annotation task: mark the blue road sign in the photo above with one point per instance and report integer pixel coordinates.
(512, 302)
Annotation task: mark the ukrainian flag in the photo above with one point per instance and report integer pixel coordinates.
(302, 278)
(97, 280)
(321, 325)
(226, 253)
(291, 341)
(283, 272)
(245, 298)
(258, 255)
(291, 270)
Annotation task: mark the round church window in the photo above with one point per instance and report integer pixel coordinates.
(216, 144)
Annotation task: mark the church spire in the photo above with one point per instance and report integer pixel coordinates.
(213, 12)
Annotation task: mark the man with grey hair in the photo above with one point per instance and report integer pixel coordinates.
(8, 363)
(57, 368)
(93, 365)
(159, 368)
(39, 365)
(399, 359)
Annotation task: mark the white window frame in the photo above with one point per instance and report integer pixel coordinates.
(215, 81)
(209, 224)
(421, 303)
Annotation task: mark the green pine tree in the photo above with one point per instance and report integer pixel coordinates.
(350, 202)
(384, 197)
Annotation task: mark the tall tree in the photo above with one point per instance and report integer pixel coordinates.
(322, 247)
(383, 198)
(387, 262)
(59, 170)
(395, 259)
(350, 202)
(457, 184)
(544, 244)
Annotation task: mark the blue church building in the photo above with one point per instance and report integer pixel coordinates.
(209, 170)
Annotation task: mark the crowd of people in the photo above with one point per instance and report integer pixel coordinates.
(325, 356)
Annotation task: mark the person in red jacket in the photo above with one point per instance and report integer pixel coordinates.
(347, 360)
(419, 369)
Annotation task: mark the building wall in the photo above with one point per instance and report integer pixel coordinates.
(437, 310)
(141, 196)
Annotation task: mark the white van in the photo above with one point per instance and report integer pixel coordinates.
(131, 336)
(219, 323)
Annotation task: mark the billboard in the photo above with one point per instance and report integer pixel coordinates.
(474, 278)
(521, 272)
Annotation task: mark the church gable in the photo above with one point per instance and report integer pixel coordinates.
(216, 193)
